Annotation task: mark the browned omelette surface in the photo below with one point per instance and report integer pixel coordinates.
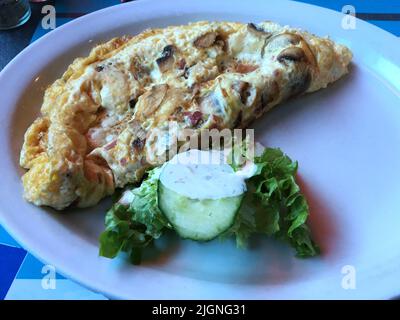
(113, 113)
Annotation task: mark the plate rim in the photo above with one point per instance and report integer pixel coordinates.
(15, 231)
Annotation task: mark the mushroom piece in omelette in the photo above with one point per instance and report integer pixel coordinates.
(112, 111)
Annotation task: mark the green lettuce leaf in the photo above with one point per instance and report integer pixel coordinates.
(274, 205)
(132, 228)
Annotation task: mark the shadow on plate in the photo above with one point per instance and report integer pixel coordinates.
(321, 220)
(266, 260)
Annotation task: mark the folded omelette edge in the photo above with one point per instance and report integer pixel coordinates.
(113, 114)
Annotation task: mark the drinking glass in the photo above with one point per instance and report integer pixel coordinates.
(13, 13)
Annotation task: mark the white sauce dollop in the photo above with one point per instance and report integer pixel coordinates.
(248, 170)
(198, 174)
(127, 198)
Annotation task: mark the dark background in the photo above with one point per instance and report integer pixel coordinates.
(14, 40)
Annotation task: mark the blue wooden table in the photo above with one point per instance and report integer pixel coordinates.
(22, 276)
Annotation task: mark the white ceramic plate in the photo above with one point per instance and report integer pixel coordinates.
(346, 139)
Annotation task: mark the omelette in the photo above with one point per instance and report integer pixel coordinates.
(113, 114)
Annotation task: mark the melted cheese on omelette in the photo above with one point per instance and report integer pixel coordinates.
(115, 113)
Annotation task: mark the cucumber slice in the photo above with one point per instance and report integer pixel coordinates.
(198, 219)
